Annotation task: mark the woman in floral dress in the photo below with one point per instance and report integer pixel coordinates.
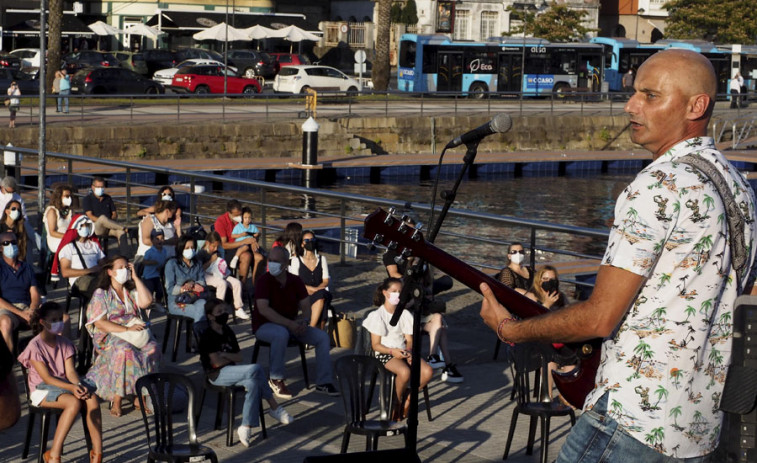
(112, 316)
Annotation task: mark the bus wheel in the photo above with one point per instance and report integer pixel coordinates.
(478, 90)
(561, 90)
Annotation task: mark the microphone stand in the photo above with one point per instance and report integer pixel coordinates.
(413, 289)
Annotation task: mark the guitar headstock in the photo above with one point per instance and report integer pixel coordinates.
(386, 229)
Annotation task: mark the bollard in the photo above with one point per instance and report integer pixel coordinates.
(12, 162)
(309, 150)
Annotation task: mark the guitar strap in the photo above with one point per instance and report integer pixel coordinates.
(736, 220)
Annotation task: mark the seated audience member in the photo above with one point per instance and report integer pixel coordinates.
(99, 207)
(546, 289)
(185, 276)
(9, 192)
(515, 275)
(221, 360)
(313, 269)
(58, 215)
(124, 347)
(243, 253)
(19, 296)
(54, 383)
(79, 256)
(392, 345)
(13, 221)
(217, 274)
(153, 264)
(291, 239)
(160, 220)
(165, 193)
(9, 402)
(433, 323)
(280, 297)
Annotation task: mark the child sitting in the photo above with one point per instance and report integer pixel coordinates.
(54, 383)
(243, 230)
(217, 274)
(154, 261)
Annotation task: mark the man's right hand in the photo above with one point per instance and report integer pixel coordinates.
(298, 327)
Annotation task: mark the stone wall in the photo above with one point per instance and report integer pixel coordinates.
(338, 137)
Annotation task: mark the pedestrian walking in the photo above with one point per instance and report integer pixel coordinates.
(65, 90)
(13, 102)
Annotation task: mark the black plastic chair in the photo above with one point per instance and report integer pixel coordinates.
(357, 376)
(176, 320)
(527, 358)
(223, 392)
(291, 343)
(161, 389)
(45, 414)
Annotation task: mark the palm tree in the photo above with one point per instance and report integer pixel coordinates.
(675, 412)
(660, 392)
(380, 73)
(706, 306)
(53, 40)
(690, 311)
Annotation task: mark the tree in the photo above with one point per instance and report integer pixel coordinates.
(719, 21)
(380, 72)
(558, 23)
(410, 13)
(396, 13)
(54, 21)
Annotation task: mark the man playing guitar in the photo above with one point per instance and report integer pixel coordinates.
(665, 291)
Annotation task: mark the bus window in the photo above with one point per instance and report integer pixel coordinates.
(407, 54)
(429, 59)
(563, 62)
(537, 64)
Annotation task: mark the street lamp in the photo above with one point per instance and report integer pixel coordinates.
(639, 12)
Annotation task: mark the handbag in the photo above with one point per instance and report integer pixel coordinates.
(7, 102)
(136, 338)
(190, 297)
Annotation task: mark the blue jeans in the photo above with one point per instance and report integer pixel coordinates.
(598, 438)
(252, 377)
(195, 311)
(278, 337)
(63, 100)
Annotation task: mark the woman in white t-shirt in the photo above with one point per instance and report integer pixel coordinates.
(392, 344)
(58, 215)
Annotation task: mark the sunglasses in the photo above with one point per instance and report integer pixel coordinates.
(517, 251)
(309, 240)
(6, 243)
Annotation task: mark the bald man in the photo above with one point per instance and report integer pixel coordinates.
(665, 291)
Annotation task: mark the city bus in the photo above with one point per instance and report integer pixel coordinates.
(435, 63)
(620, 54)
(744, 60)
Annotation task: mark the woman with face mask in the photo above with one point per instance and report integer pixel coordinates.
(165, 193)
(12, 220)
(392, 344)
(515, 275)
(546, 289)
(114, 322)
(161, 219)
(58, 215)
(185, 274)
(54, 383)
(313, 269)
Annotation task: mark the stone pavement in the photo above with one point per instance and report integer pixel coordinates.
(470, 420)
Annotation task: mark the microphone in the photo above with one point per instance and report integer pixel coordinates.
(500, 124)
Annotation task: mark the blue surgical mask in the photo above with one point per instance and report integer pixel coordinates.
(188, 253)
(57, 327)
(10, 251)
(275, 268)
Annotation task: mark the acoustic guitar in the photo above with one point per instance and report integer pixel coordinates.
(387, 230)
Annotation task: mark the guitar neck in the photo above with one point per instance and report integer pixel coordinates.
(515, 302)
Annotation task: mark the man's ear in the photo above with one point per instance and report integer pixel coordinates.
(699, 106)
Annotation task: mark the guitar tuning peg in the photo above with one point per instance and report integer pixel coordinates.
(378, 239)
(388, 221)
(405, 218)
(403, 227)
(419, 225)
(392, 245)
(416, 235)
(406, 253)
(391, 211)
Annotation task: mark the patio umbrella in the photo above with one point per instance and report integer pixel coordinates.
(258, 32)
(144, 30)
(101, 28)
(219, 31)
(294, 34)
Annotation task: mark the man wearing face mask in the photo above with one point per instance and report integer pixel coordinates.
(99, 207)
(9, 192)
(18, 286)
(283, 311)
(79, 256)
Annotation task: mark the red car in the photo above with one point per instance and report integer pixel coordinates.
(209, 79)
(289, 59)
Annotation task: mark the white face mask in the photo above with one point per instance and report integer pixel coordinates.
(275, 268)
(394, 298)
(188, 253)
(99, 191)
(517, 258)
(14, 215)
(167, 197)
(66, 201)
(122, 275)
(237, 219)
(83, 231)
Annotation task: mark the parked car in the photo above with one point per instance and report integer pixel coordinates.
(253, 63)
(30, 57)
(297, 79)
(27, 83)
(183, 54)
(9, 61)
(289, 59)
(156, 60)
(165, 76)
(73, 62)
(109, 81)
(131, 60)
(209, 79)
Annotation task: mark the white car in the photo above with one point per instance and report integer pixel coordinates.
(30, 57)
(297, 79)
(165, 76)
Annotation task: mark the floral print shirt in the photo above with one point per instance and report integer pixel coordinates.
(665, 366)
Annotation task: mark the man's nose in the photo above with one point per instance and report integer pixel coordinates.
(631, 105)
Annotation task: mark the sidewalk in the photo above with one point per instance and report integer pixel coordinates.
(470, 419)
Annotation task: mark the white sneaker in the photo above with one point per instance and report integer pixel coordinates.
(240, 313)
(280, 415)
(244, 435)
(233, 263)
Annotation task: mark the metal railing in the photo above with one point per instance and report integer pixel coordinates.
(342, 211)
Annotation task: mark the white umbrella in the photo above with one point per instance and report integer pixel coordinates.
(143, 29)
(219, 32)
(101, 28)
(295, 34)
(258, 32)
